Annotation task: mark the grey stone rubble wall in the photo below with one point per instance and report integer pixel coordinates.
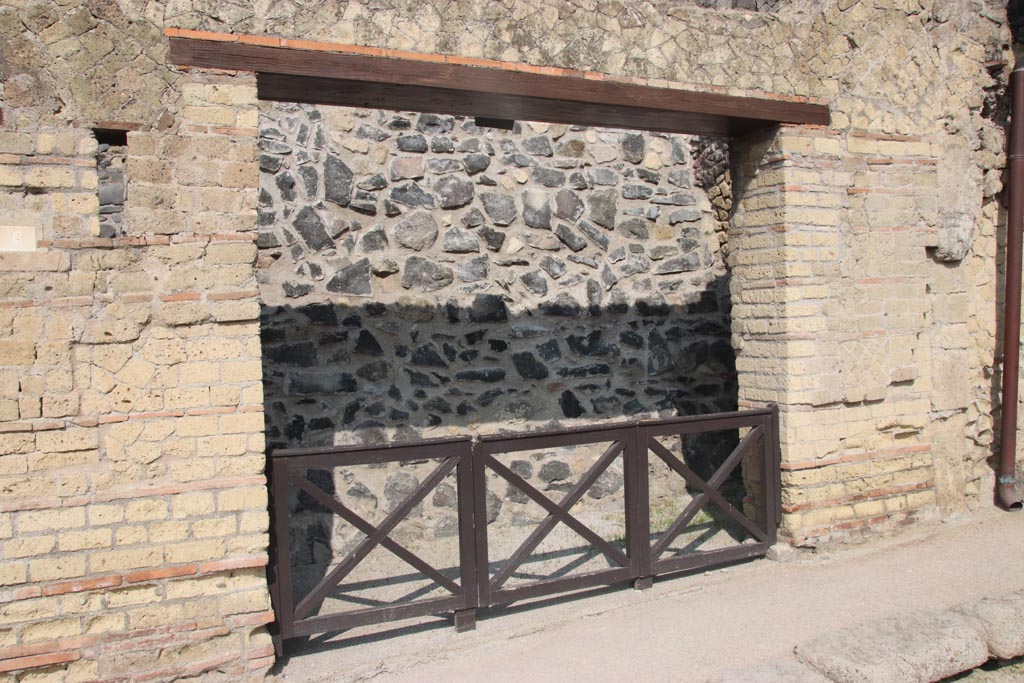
(110, 166)
(423, 276)
(420, 274)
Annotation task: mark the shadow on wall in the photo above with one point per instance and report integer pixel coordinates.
(338, 374)
(376, 373)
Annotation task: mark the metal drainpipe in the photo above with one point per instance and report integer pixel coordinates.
(1006, 487)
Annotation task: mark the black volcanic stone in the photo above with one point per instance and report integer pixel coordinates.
(538, 146)
(299, 354)
(443, 166)
(659, 358)
(636, 192)
(569, 238)
(488, 397)
(442, 145)
(337, 181)
(286, 185)
(528, 366)
(678, 199)
(294, 290)
(321, 383)
(374, 240)
(425, 274)
(536, 209)
(432, 124)
(418, 231)
(549, 350)
(633, 147)
(554, 470)
(419, 379)
(268, 163)
(568, 205)
(368, 345)
(454, 191)
(631, 339)
(481, 375)
(603, 207)
(590, 370)
(438, 405)
(634, 228)
(500, 207)
(570, 405)
(493, 239)
(411, 194)
(373, 183)
(548, 177)
(475, 163)
(488, 308)
(535, 282)
(376, 371)
(308, 224)
(412, 143)
(563, 306)
(320, 314)
(310, 180)
(591, 345)
(426, 355)
(595, 235)
(353, 279)
(608, 483)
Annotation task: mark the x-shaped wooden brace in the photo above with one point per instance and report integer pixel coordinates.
(709, 491)
(374, 535)
(557, 512)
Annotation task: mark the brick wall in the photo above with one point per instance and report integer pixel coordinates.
(131, 452)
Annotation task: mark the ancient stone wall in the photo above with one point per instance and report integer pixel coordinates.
(421, 275)
(865, 262)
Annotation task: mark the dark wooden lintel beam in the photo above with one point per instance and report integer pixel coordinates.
(381, 82)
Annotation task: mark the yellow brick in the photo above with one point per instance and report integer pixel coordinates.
(106, 623)
(88, 539)
(155, 615)
(243, 603)
(168, 531)
(12, 573)
(197, 425)
(130, 535)
(251, 498)
(100, 515)
(51, 520)
(28, 610)
(217, 116)
(65, 567)
(27, 547)
(194, 551)
(146, 510)
(50, 177)
(134, 596)
(68, 440)
(242, 371)
(10, 176)
(231, 444)
(83, 670)
(117, 560)
(212, 528)
(242, 423)
(192, 504)
(52, 630)
(81, 603)
(253, 522)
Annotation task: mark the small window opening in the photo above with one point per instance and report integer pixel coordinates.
(111, 154)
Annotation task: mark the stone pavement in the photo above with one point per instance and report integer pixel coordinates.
(935, 600)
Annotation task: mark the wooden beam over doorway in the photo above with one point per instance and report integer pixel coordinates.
(382, 82)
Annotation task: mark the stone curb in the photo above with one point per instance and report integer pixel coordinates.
(919, 646)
